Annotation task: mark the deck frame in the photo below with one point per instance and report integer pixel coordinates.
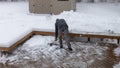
(22, 40)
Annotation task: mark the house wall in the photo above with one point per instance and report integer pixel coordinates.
(51, 6)
(60, 6)
(40, 6)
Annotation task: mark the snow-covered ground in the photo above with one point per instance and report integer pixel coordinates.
(16, 22)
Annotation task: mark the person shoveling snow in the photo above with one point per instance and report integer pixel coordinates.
(61, 27)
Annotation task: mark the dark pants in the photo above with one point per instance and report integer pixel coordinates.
(61, 27)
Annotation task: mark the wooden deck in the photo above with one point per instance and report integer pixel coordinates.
(16, 44)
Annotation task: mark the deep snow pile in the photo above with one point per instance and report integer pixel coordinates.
(37, 49)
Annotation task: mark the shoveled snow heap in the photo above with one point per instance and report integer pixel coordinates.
(16, 21)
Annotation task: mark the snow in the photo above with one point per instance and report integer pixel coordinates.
(117, 51)
(96, 18)
(38, 49)
(117, 66)
(16, 21)
(11, 36)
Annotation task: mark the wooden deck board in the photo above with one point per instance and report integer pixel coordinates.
(3, 48)
(16, 44)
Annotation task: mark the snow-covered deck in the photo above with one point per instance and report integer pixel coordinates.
(25, 37)
(16, 22)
